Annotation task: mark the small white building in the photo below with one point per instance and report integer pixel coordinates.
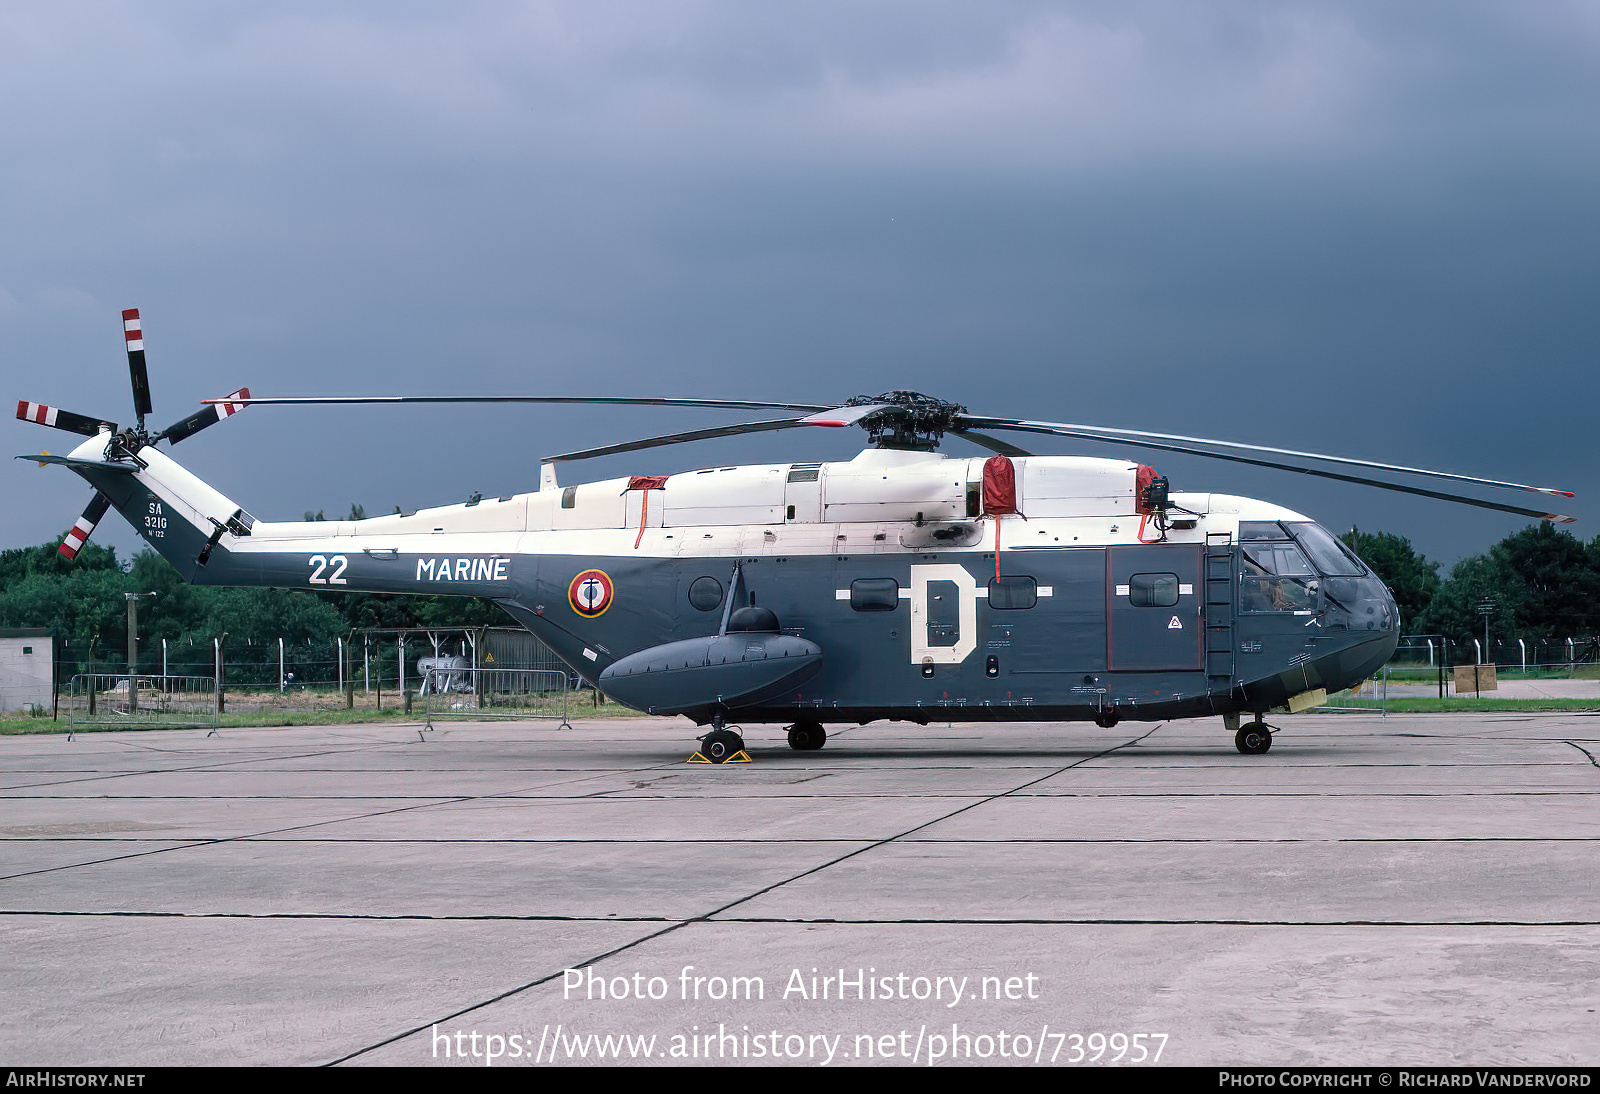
(27, 669)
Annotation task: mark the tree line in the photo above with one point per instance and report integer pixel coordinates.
(82, 602)
(1544, 582)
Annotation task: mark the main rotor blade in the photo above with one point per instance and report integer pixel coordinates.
(201, 419)
(1060, 431)
(609, 400)
(62, 419)
(681, 438)
(993, 444)
(1119, 434)
(840, 416)
(83, 527)
(134, 334)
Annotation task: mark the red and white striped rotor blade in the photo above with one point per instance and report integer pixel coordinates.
(62, 419)
(84, 527)
(133, 332)
(209, 415)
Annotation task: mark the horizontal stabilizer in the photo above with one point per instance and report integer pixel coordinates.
(97, 465)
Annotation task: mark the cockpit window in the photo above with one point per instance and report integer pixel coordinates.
(1275, 577)
(1283, 559)
(1331, 557)
(1260, 529)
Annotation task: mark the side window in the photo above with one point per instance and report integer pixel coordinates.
(1153, 590)
(1012, 593)
(569, 498)
(874, 594)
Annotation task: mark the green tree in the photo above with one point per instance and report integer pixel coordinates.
(1411, 577)
(1453, 611)
(1551, 585)
(19, 562)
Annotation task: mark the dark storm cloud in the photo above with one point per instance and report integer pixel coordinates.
(1358, 228)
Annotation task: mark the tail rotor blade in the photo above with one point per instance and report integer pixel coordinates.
(134, 333)
(210, 415)
(84, 527)
(62, 419)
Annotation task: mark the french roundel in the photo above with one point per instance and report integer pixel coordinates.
(590, 593)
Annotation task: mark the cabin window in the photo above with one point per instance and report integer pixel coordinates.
(569, 498)
(1013, 592)
(27, 649)
(804, 474)
(874, 594)
(1153, 590)
(705, 594)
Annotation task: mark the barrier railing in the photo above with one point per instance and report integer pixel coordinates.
(105, 701)
(508, 694)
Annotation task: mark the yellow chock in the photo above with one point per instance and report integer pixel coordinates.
(739, 757)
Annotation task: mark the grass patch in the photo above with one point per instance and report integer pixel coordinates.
(582, 707)
(1454, 705)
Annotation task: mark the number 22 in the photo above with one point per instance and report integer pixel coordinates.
(321, 562)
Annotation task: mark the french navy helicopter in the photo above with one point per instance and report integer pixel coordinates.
(902, 584)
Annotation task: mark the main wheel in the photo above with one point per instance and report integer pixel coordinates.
(1253, 739)
(719, 744)
(807, 736)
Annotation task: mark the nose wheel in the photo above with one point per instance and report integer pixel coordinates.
(807, 736)
(1254, 739)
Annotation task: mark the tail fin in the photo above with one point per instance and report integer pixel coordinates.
(183, 518)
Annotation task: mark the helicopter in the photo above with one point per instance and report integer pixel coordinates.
(902, 585)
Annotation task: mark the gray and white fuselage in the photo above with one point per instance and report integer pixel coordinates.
(889, 595)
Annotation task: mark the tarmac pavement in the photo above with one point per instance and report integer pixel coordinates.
(1410, 890)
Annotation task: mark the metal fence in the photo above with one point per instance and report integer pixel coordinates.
(1554, 656)
(105, 701)
(510, 694)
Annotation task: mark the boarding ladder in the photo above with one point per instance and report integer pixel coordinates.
(1219, 601)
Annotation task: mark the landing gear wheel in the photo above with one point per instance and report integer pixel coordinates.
(1253, 739)
(1105, 719)
(807, 736)
(720, 744)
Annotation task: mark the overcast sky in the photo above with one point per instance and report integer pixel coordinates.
(1370, 229)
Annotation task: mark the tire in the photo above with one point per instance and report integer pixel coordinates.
(1254, 739)
(807, 736)
(720, 744)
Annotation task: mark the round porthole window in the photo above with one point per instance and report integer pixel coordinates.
(705, 594)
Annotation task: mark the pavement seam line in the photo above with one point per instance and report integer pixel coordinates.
(706, 916)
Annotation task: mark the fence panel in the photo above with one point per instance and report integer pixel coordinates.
(510, 694)
(106, 701)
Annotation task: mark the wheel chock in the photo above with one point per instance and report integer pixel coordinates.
(739, 757)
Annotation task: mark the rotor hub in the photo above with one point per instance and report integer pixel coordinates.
(911, 422)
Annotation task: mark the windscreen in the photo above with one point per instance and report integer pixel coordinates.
(1328, 555)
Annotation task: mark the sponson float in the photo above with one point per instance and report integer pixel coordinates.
(902, 584)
